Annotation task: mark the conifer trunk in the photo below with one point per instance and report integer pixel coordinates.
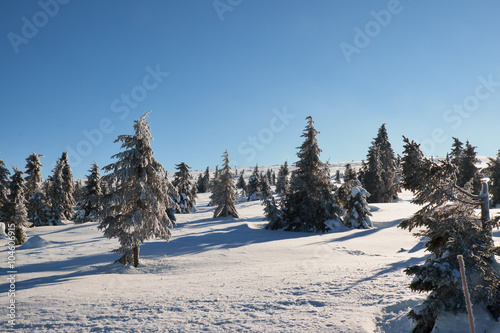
(135, 251)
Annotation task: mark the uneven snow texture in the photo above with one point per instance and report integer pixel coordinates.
(220, 275)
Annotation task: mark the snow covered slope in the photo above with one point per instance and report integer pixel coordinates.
(219, 275)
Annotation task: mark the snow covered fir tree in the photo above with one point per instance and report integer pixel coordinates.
(253, 189)
(310, 201)
(186, 199)
(224, 192)
(4, 189)
(90, 206)
(413, 166)
(136, 209)
(16, 212)
(283, 181)
(203, 182)
(380, 174)
(494, 175)
(451, 227)
(349, 173)
(357, 213)
(38, 210)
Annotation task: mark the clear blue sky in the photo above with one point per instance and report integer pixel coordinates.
(74, 67)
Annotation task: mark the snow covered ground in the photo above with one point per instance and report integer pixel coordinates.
(219, 275)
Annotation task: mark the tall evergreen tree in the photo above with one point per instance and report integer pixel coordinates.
(310, 202)
(182, 182)
(457, 149)
(381, 177)
(90, 207)
(203, 183)
(56, 198)
(265, 189)
(4, 189)
(467, 169)
(33, 175)
(451, 226)
(68, 186)
(215, 178)
(413, 166)
(241, 184)
(136, 210)
(17, 212)
(283, 183)
(224, 194)
(494, 173)
(253, 189)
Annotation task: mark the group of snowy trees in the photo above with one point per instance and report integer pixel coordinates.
(450, 193)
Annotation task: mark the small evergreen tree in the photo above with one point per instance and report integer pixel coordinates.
(494, 171)
(265, 189)
(4, 190)
(90, 207)
(337, 176)
(241, 184)
(310, 202)
(204, 181)
(17, 213)
(136, 210)
(381, 177)
(413, 166)
(224, 194)
(349, 173)
(283, 183)
(467, 169)
(67, 187)
(39, 211)
(33, 175)
(215, 178)
(357, 211)
(457, 149)
(182, 182)
(253, 189)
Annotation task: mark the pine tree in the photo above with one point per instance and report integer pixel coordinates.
(283, 183)
(457, 149)
(33, 175)
(357, 213)
(381, 177)
(39, 212)
(253, 187)
(17, 212)
(413, 166)
(182, 182)
(204, 181)
(4, 190)
(90, 207)
(494, 171)
(136, 210)
(224, 194)
(449, 223)
(467, 169)
(337, 176)
(310, 202)
(349, 173)
(56, 198)
(67, 186)
(265, 189)
(241, 184)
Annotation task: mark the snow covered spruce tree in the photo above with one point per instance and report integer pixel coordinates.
(203, 182)
(494, 174)
(457, 149)
(224, 192)
(283, 183)
(67, 186)
(381, 176)
(253, 189)
(357, 213)
(17, 213)
(136, 209)
(4, 189)
(413, 166)
(38, 210)
(56, 198)
(182, 181)
(349, 173)
(90, 206)
(452, 228)
(310, 202)
(241, 184)
(467, 169)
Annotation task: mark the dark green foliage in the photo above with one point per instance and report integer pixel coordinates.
(380, 177)
(357, 213)
(414, 166)
(203, 182)
(282, 182)
(4, 189)
(467, 169)
(33, 175)
(224, 193)
(349, 173)
(253, 188)
(310, 201)
(337, 176)
(90, 206)
(186, 200)
(67, 186)
(265, 189)
(241, 184)
(273, 214)
(494, 174)
(17, 213)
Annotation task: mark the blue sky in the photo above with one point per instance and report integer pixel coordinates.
(243, 75)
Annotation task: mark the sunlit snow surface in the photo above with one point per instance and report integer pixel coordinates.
(223, 275)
